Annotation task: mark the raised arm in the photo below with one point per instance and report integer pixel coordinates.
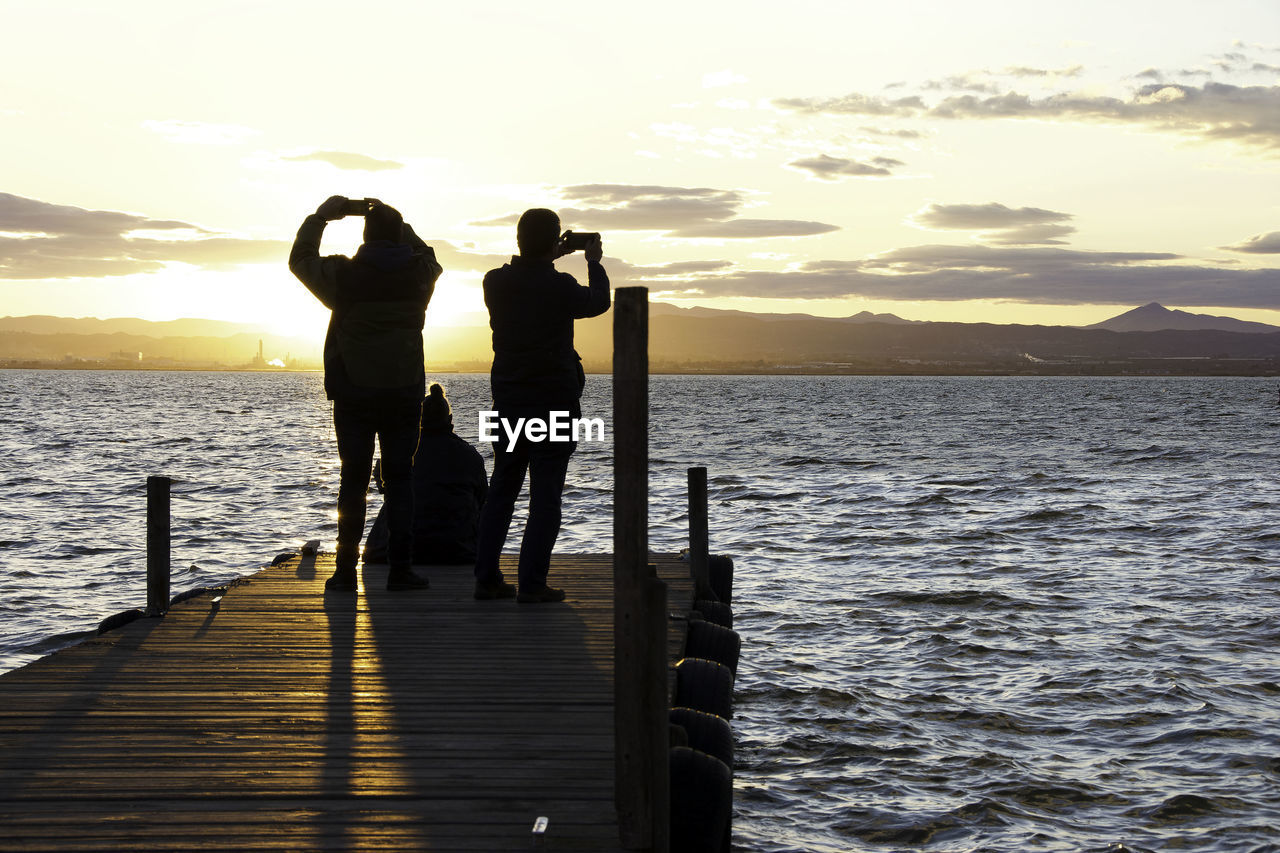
(594, 299)
(317, 273)
(433, 268)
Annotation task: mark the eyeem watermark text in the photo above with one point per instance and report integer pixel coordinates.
(560, 427)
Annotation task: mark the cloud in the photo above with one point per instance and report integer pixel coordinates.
(750, 229)
(833, 168)
(984, 80)
(996, 223)
(1024, 71)
(1259, 244)
(1042, 275)
(45, 240)
(969, 81)
(676, 211)
(1029, 235)
(200, 132)
(650, 207)
(684, 268)
(856, 104)
(1246, 114)
(902, 133)
(677, 268)
(663, 276)
(347, 161)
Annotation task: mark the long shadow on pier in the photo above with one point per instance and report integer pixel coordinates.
(455, 724)
(339, 729)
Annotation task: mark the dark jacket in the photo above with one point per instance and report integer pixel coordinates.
(532, 307)
(449, 487)
(373, 349)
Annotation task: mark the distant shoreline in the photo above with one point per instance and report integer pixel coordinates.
(1187, 368)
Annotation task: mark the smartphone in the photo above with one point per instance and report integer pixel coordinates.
(575, 240)
(357, 207)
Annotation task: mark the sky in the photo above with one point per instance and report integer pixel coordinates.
(1011, 162)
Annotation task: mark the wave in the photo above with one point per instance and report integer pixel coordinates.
(977, 599)
(56, 642)
(820, 462)
(1156, 453)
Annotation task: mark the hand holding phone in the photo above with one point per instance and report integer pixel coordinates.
(357, 206)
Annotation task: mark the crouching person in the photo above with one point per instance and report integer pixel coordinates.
(449, 487)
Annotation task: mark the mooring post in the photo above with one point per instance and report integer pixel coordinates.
(158, 545)
(639, 620)
(699, 536)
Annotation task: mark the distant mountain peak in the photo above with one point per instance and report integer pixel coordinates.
(868, 317)
(1154, 317)
(663, 309)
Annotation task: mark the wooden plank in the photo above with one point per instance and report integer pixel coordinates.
(282, 719)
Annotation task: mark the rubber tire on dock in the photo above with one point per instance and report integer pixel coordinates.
(715, 612)
(706, 733)
(713, 642)
(701, 802)
(119, 620)
(720, 575)
(704, 685)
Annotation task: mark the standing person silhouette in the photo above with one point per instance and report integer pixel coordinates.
(535, 371)
(373, 369)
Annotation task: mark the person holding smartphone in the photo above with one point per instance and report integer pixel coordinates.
(373, 369)
(536, 371)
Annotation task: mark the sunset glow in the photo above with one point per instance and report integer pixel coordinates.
(986, 161)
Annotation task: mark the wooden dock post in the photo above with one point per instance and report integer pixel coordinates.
(158, 545)
(642, 785)
(699, 536)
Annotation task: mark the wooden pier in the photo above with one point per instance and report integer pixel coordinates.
(284, 719)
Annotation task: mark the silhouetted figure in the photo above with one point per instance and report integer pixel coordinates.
(373, 368)
(536, 371)
(449, 487)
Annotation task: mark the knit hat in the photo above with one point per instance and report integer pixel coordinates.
(436, 414)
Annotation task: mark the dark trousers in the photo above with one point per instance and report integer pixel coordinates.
(546, 463)
(396, 427)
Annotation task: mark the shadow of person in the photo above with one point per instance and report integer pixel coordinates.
(336, 782)
(496, 710)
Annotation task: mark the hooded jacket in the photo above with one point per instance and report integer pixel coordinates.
(373, 348)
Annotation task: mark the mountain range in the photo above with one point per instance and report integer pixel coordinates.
(1145, 339)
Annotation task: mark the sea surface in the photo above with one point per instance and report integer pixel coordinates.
(979, 614)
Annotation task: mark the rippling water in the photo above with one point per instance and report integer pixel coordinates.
(1004, 614)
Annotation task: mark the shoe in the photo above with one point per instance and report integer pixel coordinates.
(489, 590)
(406, 579)
(540, 595)
(343, 580)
